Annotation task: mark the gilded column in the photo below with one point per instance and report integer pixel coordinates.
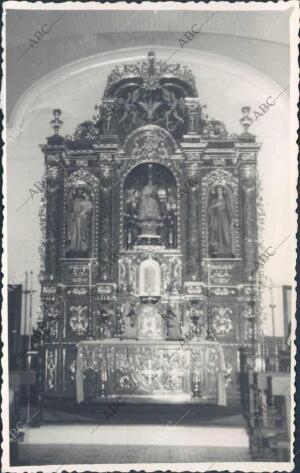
(193, 240)
(54, 216)
(105, 217)
(247, 173)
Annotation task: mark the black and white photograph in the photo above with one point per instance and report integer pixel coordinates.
(149, 237)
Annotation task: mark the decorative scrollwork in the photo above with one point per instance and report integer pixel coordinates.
(221, 274)
(222, 320)
(214, 129)
(81, 178)
(86, 131)
(228, 374)
(51, 369)
(152, 72)
(148, 142)
(79, 319)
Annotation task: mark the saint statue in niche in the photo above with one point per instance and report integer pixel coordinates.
(150, 210)
(149, 206)
(79, 223)
(149, 214)
(220, 223)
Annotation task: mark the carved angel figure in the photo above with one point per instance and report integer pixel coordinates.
(173, 103)
(130, 106)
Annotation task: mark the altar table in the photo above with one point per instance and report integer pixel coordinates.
(152, 369)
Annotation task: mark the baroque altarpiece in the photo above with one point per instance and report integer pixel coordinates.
(149, 242)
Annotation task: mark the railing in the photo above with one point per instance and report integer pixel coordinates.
(265, 413)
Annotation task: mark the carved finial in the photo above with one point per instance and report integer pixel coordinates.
(151, 56)
(204, 111)
(151, 69)
(245, 121)
(56, 123)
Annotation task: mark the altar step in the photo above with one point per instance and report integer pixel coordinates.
(152, 435)
(137, 414)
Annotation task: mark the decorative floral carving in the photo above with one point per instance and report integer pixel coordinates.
(77, 274)
(193, 171)
(193, 288)
(151, 71)
(105, 289)
(222, 323)
(49, 289)
(214, 129)
(79, 319)
(53, 172)
(82, 163)
(228, 374)
(248, 312)
(51, 312)
(220, 161)
(81, 178)
(193, 155)
(139, 143)
(42, 247)
(221, 274)
(222, 291)
(106, 170)
(51, 369)
(53, 158)
(78, 291)
(72, 369)
(149, 147)
(86, 131)
(248, 330)
(106, 157)
(250, 291)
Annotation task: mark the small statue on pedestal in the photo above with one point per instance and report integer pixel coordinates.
(171, 324)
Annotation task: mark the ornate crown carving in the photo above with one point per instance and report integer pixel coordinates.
(150, 74)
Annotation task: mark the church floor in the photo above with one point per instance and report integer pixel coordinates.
(137, 454)
(92, 444)
(136, 434)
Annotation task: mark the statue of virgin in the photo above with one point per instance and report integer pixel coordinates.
(220, 223)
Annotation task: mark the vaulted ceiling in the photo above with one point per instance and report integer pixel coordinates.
(259, 39)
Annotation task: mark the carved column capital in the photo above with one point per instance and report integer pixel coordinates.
(193, 175)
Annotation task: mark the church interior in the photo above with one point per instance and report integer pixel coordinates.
(144, 330)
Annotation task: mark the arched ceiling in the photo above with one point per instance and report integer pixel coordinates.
(262, 25)
(259, 39)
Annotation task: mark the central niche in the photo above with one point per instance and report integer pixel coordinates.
(150, 207)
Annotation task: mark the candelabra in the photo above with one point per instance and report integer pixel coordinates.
(196, 384)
